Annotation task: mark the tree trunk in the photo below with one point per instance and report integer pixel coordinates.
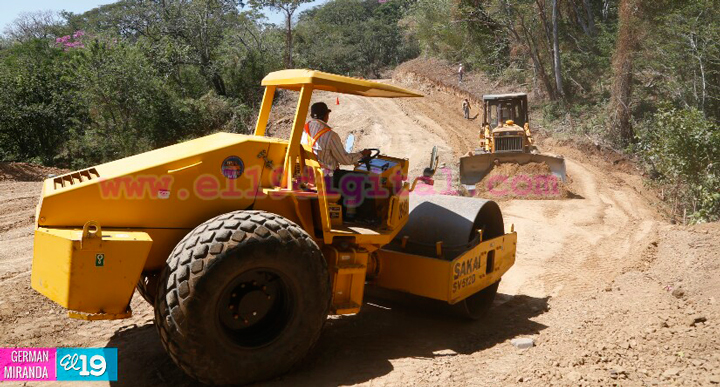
(288, 40)
(528, 40)
(556, 51)
(218, 84)
(590, 17)
(698, 55)
(625, 48)
(606, 10)
(580, 20)
(535, 56)
(211, 74)
(543, 20)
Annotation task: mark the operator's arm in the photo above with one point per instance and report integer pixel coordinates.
(337, 150)
(305, 139)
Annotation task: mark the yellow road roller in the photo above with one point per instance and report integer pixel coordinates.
(244, 245)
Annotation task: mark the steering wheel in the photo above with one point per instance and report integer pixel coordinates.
(374, 153)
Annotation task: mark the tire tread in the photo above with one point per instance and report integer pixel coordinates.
(227, 231)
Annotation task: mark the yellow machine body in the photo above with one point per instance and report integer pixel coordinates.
(505, 137)
(447, 280)
(145, 204)
(92, 271)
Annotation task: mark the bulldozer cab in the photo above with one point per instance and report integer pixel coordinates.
(505, 124)
(499, 108)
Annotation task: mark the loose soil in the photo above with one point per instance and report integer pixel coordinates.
(529, 181)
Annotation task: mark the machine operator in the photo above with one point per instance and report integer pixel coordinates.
(325, 142)
(328, 148)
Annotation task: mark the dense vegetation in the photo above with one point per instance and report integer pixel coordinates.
(640, 76)
(76, 90)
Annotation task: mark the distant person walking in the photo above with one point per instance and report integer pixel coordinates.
(466, 108)
(460, 73)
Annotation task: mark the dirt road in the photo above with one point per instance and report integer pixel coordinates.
(593, 285)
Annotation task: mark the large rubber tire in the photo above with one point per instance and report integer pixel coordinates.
(147, 286)
(222, 270)
(476, 306)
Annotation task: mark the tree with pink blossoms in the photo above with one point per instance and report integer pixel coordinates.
(71, 41)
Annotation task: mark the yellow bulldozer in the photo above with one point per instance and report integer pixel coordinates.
(241, 246)
(505, 138)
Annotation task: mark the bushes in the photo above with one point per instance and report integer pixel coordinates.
(134, 109)
(682, 149)
(117, 81)
(38, 106)
(82, 106)
(355, 37)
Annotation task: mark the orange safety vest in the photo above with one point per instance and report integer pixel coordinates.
(317, 136)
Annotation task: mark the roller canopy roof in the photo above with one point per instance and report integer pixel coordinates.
(490, 97)
(295, 79)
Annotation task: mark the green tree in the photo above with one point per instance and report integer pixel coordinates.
(249, 52)
(288, 8)
(682, 148)
(39, 104)
(452, 30)
(124, 94)
(183, 34)
(682, 63)
(133, 109)
(354, 37)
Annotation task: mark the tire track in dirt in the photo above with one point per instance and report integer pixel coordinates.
(590, 238)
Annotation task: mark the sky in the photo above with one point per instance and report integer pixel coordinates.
(11, 9)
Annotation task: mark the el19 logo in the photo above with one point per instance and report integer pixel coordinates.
(87, 364)
(97, 363)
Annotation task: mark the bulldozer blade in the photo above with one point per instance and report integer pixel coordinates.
(474, 168)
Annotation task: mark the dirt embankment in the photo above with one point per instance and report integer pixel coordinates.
(27, 172)
(19, 192)
(433, 75)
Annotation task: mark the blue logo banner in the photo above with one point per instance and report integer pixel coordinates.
(87, 364)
